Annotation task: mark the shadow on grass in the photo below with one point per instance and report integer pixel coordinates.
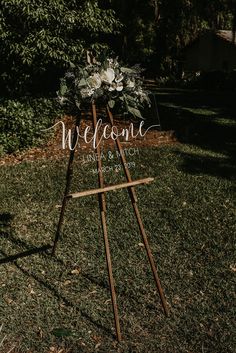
(6, 231)
(215, 166)
(26, 253)
(60, 297)
(5, 221)
(204, 120)
(44, 250)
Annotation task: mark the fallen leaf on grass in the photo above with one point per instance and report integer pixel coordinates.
(40, 332)
(93, 292)
(8, 300)
(97, 339)
(76, 271)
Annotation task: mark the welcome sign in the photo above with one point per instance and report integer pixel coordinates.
(96, 137)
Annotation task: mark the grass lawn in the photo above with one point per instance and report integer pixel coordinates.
(189, 215)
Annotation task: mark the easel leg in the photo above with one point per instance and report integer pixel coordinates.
(110, 276)
(67, 187)
(139, 220)
(102, 204)
(150, 258)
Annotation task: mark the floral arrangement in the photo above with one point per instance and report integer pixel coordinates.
(107, 82)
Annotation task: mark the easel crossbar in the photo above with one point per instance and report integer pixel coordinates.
(110, 188)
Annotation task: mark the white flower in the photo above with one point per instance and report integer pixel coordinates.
(110, 62)
(107, 75)
(112, 87)
(119, 77)
(113, 63)
(94, 81)
(119, 86)
(86, 92)
(116, 86)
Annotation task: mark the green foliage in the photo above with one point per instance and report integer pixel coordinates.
(39, 40)
(36, 36)
(22, 122)
(136, 42)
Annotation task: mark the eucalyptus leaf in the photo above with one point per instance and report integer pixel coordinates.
(130, 98)
(135, 112)
(63, 89)
(82, 82)
(85, 74)
(111, 103)
(127, 70)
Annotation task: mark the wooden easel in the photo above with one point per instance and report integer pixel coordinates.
(102, 204)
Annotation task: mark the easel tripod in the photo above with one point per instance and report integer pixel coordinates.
(102, 204)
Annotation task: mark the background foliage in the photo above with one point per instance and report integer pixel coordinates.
(22, 121)
(155, 31)
(40, 40)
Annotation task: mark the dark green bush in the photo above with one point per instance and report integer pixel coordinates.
(39, 39)
(22, 122)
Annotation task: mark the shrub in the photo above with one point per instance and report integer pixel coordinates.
(41, 37)
(22, 122)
